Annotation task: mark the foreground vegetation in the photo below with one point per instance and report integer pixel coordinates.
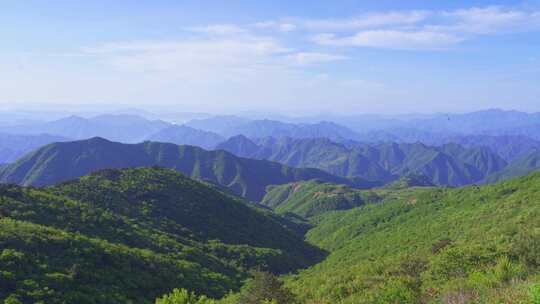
(145, 235)
(468, 245)
(133, 235)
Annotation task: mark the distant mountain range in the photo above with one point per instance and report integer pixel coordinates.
(124, 128)
(377, 148)
(229, 126)
(519, 167)
(184, 135)
(14, 146)
(449, 164)
(249, 178)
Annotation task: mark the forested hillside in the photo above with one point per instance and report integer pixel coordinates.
(245, 177)
(314, 197)
(467, 245)
(120, 236)
(450, 164)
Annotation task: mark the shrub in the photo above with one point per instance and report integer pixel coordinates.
(12, 299)
(526, 247)
(265, 288)
(396, 290)
(505, 270)
(182, 296)
(534, 294)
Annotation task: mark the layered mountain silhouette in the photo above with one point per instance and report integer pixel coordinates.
(249, 178)
(229, 126)
(184, 135)
(123, 128)
(519, 167)
(14, 146)
(450, 164)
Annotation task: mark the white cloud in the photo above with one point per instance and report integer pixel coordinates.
(415, 29)
(309, 58)
(216, 49)
(189, 55)
(280, 26)
(219, 29)
(366, 21)
(391, 39)
(491, 20)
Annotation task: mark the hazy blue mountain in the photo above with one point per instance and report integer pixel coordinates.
(184, 135)
(249, 178)
(14, 146)
(531, 131)
(272, 128)
(218, 124)
(446, 165)
(406, 134)
(518, 167)
(242, 146)
(124, 128)
(411, 126)
(509, 147)
(230, 126)
(477, 122)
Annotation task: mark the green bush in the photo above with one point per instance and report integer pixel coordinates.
(396, 290)
(182, 296)
(265, 288)
(534, 294)
(506, 270)
(526, 247)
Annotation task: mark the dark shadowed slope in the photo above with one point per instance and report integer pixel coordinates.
(64, 161)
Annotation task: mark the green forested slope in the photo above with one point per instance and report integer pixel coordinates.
(473, 244)
(132, 235)
(315, 197)
(64, 161)
(450, 164)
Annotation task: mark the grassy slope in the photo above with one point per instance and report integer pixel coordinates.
(386, 253)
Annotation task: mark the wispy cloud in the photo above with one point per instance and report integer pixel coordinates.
(416, 29)
(490, 20)
(282, 26)
(309, 58)
(392, 39)
(208, 52)
(366, 21)
(219, 29)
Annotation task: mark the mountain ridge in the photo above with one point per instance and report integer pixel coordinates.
(64, 161)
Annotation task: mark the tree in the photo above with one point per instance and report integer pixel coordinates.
(265, 288)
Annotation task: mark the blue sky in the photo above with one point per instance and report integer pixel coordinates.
(294, 57)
